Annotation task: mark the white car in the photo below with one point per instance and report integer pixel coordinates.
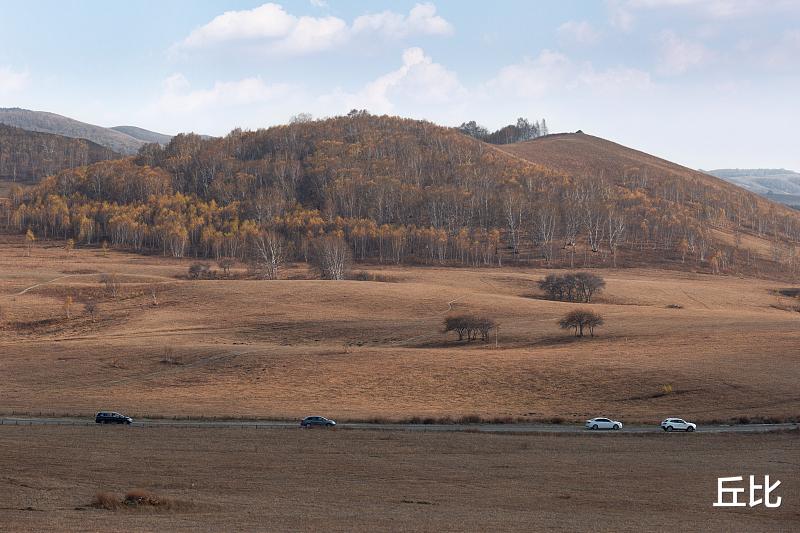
(677, 424)
(603, 423)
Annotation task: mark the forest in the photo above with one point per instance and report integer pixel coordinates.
(28, 155)
(396, 191)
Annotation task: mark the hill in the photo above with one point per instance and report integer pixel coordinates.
(581, 154)
(143, 134)
(27, 155)
(45, 122)
(779, 185)
(405, 191)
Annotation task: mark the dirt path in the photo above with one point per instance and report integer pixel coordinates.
(24, 291)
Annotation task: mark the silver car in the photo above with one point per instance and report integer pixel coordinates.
(603, 423)
(677, 424)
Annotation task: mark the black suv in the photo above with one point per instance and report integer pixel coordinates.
(311, 421)
(108, 417)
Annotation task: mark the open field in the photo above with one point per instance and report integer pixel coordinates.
(282, 480)
(371, 349)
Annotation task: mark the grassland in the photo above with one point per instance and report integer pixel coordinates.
(295, 480)
(359, 349)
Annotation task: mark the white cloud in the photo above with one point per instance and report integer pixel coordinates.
(268, 21)
(580, 32)
(418, 84)
(313, 34)
(422, 19)
(680, 55)
(270, 25)
(784, 54)
(12, 81)
(179, 97)
(532, 78)
(715, 9)
(553, 73)
(620, 15)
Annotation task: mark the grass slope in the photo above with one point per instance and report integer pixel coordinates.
(361, 349)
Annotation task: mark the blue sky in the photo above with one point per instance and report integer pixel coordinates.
(707, 83)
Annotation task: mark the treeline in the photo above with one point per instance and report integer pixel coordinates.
(395, 190)
(28, 155)
(523, 130)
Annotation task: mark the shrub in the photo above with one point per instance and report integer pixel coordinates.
(106, 500)
(132, 499)
(200, 271)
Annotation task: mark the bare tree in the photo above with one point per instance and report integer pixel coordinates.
(68, 306)
(545, 229)
(579, 320)
(514, 211)
(91, 308)
(269, 253)
(331, 257)
(111, 284)
(616, 231)
(226, 263)
(30, 238)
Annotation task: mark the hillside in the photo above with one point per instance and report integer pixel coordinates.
(779, 185)
(27, 155)
(581, 154)
(406, 191)
(143, 134)
(45, 122)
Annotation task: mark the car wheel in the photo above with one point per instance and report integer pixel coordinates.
(669, 428)
(594, 426)
(616, 426)
(690, 429)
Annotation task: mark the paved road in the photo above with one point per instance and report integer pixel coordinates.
(484, 428)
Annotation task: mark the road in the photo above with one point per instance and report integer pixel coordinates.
(481, 428)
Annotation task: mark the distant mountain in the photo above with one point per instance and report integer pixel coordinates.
(777, 184)
(144, 135)
(27, 156)
(42, 121)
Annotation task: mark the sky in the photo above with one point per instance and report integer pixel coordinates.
(705, 83)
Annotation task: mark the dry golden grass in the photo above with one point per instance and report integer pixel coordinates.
(357, 349)
(293, 480)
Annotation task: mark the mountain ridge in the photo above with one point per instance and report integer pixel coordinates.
(47, 122)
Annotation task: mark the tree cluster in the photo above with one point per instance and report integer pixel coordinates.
(523, 130)
(572, 287)
(580, 320)
(468, 326)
